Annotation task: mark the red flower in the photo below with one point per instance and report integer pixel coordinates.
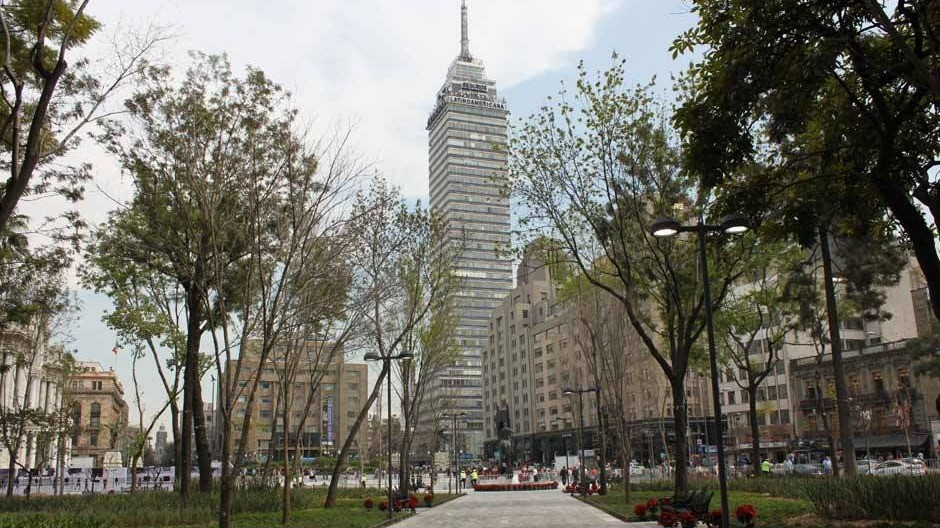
(745, 512)
(383, 505)
(652, 504)
(687, 520)
(412, 502)
(668, 519)
(368, 503)
(640, 510)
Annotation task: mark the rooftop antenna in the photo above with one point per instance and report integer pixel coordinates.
(464, 34)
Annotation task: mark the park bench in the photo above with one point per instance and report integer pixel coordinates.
(678, 500)
(697, 505)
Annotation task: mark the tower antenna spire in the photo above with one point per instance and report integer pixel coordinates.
(464, 33)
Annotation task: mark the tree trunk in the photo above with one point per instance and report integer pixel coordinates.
(134, 473)
(227, 484)
(344, 451)
(190, 385)
(681, 421)
(626, 451)
(755, 428)
(602, 431)
(203, 454)
(60, 465)
(285, 508)
(11, 469)
(838, 368)
(827, 428)
(177, 436)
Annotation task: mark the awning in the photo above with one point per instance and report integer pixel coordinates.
(889, 440)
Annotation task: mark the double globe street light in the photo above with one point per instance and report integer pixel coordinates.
(387, 367)
(580, 392)
(733, 224)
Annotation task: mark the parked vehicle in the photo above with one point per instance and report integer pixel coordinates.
(900, 467)
(810, 469)
(865, 466)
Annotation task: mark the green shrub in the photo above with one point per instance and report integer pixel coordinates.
(899, 498)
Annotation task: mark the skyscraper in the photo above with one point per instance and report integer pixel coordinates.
(468, 155)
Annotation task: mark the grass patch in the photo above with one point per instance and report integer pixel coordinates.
(250, 508)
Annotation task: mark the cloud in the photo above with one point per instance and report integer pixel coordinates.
(378, 63)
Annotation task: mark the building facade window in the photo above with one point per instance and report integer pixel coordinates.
(94, 418)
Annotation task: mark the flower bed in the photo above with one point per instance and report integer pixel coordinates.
(524, 486)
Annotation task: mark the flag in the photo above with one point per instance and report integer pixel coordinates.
(114, 351)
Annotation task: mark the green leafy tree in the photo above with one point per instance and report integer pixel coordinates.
(594, 171)
(753, 323)
(46, 100)
(193, 149)
(849, 88)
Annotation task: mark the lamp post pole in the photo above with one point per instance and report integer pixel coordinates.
(387, 367)
(580, 392)
(713, 363)
(733, 225)
(455, 470)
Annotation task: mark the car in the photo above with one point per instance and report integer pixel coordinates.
(864, 466)
(899, 467)
(808, 469)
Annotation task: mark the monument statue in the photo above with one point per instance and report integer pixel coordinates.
(505, 447)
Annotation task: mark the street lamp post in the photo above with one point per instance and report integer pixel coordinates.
(564, 441)
(580, 392)
(733, 225)
(387, 366)
(455, 471)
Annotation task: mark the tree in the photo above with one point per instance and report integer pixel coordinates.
(606, 342)
(433, 342)
(753, 324)
(137, 441)
(47, 102)
(401, 269)
(863, 75)
(866, 262)
(148, 308)
(595, 176)
(185, 196)
(25, 355)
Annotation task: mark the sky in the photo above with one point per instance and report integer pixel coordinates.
(376, 65)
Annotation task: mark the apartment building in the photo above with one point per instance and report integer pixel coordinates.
(99, 412)
(892, 408)
(337, 400)
(537, 349)
(781, 397)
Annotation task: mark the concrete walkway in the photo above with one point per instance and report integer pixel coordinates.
(520, 509)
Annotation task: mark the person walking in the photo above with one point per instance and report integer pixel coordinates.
(462, 481)
(564, 475)
(473, 477)
(765, 467)
(788, 466)
(827, 466)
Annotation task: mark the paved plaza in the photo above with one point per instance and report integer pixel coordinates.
(522, 509)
